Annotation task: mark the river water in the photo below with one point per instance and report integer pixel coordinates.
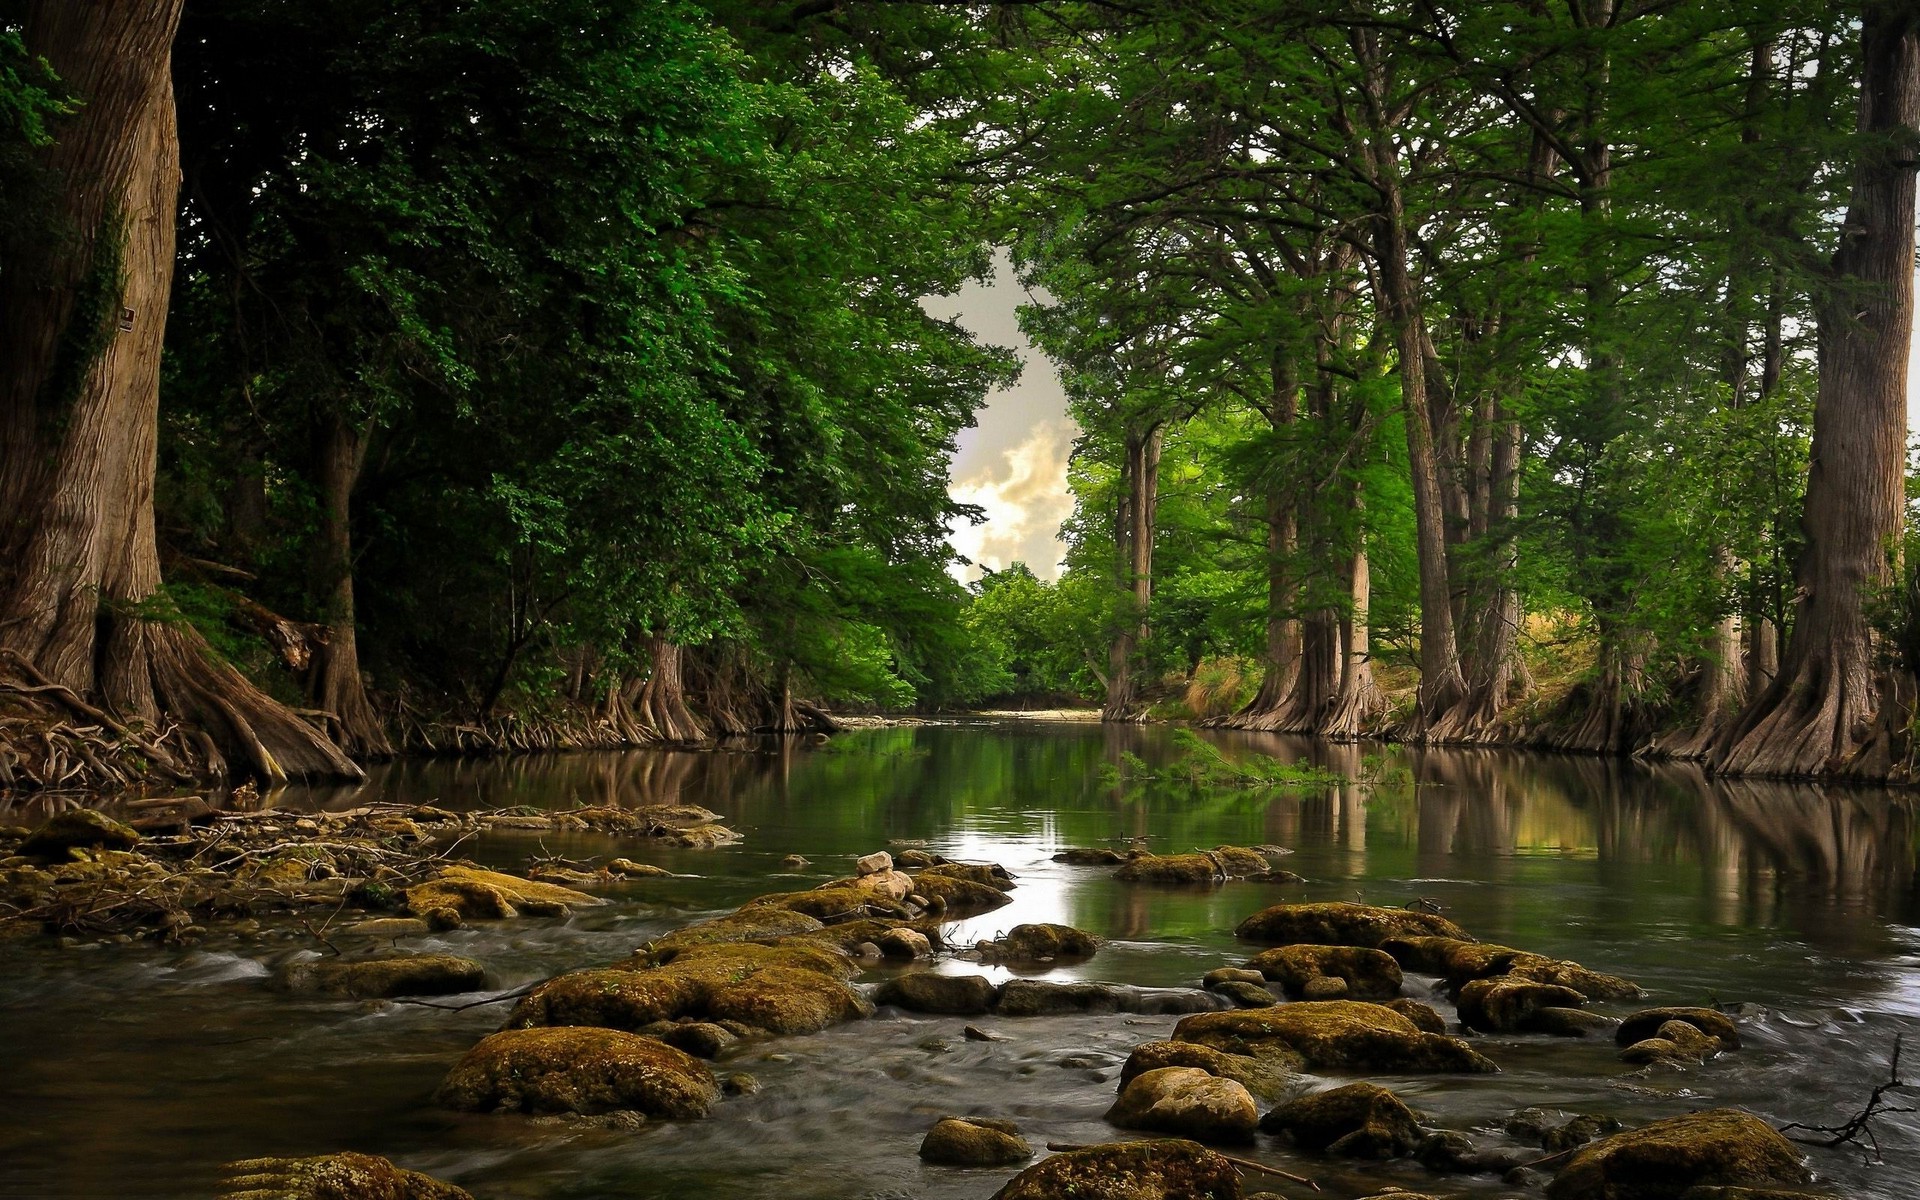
(134, 1071)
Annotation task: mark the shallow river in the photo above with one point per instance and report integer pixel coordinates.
(134, 1071)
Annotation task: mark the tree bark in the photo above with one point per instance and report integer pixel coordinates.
(1135, 527)
(81, 323)
(663, 702)
(335, 685)
(1823, 705)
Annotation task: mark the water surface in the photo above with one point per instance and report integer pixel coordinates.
(133, 1071)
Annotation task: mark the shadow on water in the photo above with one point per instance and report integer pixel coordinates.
(140, 1069)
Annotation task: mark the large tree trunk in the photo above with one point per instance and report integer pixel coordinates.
(663, 703)
(334, 685)
(82, 317)
(1135, 529)
(1272, 706)
(1822, 707)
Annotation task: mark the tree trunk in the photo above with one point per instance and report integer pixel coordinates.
(1822, 707)
(1135, 527)
(663, 703)
(1272, 706)
(334, 684)
(82, 318)
(1359, 700)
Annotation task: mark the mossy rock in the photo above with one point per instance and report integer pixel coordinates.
(1508, 1004)
(931, 992)
(974, 1142)
(1460, 961)
(1360, 1120)
(849, 934)
(607, 997)
(579, 1070)
(1368, 974)
(77, 829)
(1040, 998)
(832, 905)
(1426, 1017)
(1159, 1170)
(1340, 923)
(380, 978)
(783, 1000)
(1646, 1023)
(343, 1176)
(799, 952)
(1721, 1147)
(1038, 941)
(991, 875)
(489, 895)
(962, 897)
(754, 923)
(1258, 1076)
(1338, 1035)
(1188, 1102)
(1238, 862)
(1094, 856)
(1184, 869)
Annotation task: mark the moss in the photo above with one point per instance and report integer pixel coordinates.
(1332, 1035)
(1173, 869)
(1647, 1022)
(962, 897)
(54, 839)
(786, 1001)
(331, 1177)
(1339, 923)
(378, 978)
(1158, 1170)
(1187, 1101)
(1258, 1076)
(991, 875)
(1461, 961)
(1369, 974)
(1424, 1016)
(833, 905)
(1034, 942)
(1508, 1004)
(974, 1142)
(474, 893)
(1360, 1120)
(581, 1070)
(1662, 1161)
(752, 924)
(928, 992)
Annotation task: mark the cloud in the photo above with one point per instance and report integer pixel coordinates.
(1025, 497)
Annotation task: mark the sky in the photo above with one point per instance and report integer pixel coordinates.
(1014, 463)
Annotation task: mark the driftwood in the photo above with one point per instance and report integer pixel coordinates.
(1860, 1125)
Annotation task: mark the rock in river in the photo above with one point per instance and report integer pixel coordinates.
(474, 893)
(1188, 1102)
(1360, 1120)
(928, 992)
(1256, 1075)
(1662, 1161)
(975, 1142)
(1207, 866)
(1160, 1170)
(1337, 1035)
(379, 978)
(1366, 973)
(579, 1070)
(1647, 1022)
(1038, 942)
(331, 1177)
(1039, 998)
(75, 829)
(1338, 923)
(1505, 1004)
(991, 875)
(963, 897)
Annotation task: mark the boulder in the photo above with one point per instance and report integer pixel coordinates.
(835, 904)
(1247, 995)
(344, 1176)
(1424, 1016)
(388, 928)
(1367, 974)
(1171, 1169)
(917, 860)
(1721, 1147)
(991, 875)
(1093, 857)
(579, 1070)
(1462, 960)
(701, 837)
(928, 992)
(1171, 869)
(1340, 1035)
(1571, 1022)
(878, 863)
(628, 869)
(1256, 1075)
(1506, 1004)
(904, 943)
(1360, 1120)
(77, 829)
(1038, 942)
(1187, 1102)
(1647, 1022)
(974, 1142)
(962, 897)
(1339, 923)
(1039, 998)
(489, 895)
(1220, 975)
(751, 924)
(380, 978)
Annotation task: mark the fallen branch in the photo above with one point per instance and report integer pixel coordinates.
(1861, 1124)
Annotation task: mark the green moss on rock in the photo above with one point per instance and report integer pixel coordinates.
(331, 1177)
(1368, 974)
(1339, 923)
(1158, 1170)
(1339, 1035)
(579, 1070)
(1664, 1160)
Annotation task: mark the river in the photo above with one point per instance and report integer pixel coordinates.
(134, 1071)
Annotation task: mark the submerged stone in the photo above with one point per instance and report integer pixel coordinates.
(1647, 1022)
(1188, 1102)
(1159, 1170)
(1035, 942)
(1339, 923)
(1097, 856)
(928, 992)
(1175, 869)
(1040, 998)
(1505, 1004)
(974, 1142)
(344, 1176)
(77, 828)
(1332, 1035)
(1721, 1147)
(579, 1070)
(1359, 1120)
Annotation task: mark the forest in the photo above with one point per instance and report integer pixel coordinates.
(488, 375)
